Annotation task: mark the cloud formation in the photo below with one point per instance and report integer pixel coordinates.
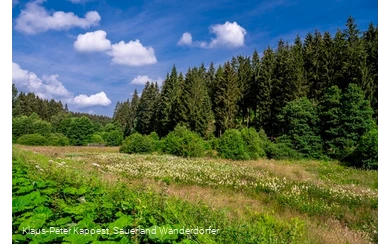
(92, 42)
(49, 87)
(35, 19)
(142, 79)
(227, 35)
(132, 53)
(186, 39)
(84, 101)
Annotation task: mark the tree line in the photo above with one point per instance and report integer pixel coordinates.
(317, 96)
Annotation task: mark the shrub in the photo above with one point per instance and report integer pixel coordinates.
(114, 138)
(253, 143)
(183, 142)
(57, 139)
(32, 140)
(280, 151)
(96, 138)
(366, 153)
(137, 143)
(263, 139)
(154, 136)
(232, 146)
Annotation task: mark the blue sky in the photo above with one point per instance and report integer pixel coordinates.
(93, 53)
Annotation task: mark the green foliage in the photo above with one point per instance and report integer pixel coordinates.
(231, 145)
(137, 143)
(329, 111)
(41, 127)
(299, 121)
(80, 130)
(96, 138)
(366, 152)
(253, 143)
(194, 105)
(227, 94)
(154, 136)
(183, 142)
(147, 109)
(280, 151)
(32, 140)
(76, 200)
(167, 107)
(345, 119)
(57, 139)
(114, 138)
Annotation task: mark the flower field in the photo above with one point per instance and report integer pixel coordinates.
(286, 201)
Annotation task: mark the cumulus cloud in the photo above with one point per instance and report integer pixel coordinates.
(34, 19)
(48, 87)
(98, 99)
(92, 42)
(142, 79)
(227, 35)
(132, 53)
(186, 39)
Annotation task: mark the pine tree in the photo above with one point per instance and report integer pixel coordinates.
(286, 86)
(166, 111)
(370, 43)
(195, 109)
(147, 108)
(263, 76)
(354, 68)
(227, 95)
(299, 120)
(254, 88)
(133, 111)
(244, 76)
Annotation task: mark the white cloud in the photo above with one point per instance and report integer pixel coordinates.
(48, 87)
(98, 99)
(227, 35)
(92, 42)
(186, 39)
(142, 79)
(34, 19)
(132, 53)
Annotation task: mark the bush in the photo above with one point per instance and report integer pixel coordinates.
(154, 136)
(114, 138)
(366, 153)
(57, 139)
(232, 146)
(32, 140)
(263, 139)
(183, 142)
(252, 142)
(280, 151)
(137, 143)
(96, 138)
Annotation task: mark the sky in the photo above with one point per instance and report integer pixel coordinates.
(91, 54)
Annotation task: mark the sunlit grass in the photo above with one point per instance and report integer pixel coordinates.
(317, 192)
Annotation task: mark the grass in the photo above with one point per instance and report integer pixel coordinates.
(337, 204)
